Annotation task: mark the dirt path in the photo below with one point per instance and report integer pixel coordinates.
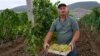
(15, 48)
(12, 50)
(93, 44)
(86, 45)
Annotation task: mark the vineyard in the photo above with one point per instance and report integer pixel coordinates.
(18, 38)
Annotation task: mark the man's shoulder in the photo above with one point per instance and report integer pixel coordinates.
(72, 18)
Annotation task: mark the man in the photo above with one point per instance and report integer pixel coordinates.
(66, 29)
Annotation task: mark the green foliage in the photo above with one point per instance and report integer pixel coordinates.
(12, 25)
(44, 13)
(33, 45)
(92, 20)
(7, 21)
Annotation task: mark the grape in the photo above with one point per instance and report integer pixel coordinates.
(61, 47)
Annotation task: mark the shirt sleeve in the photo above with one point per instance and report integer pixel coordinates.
(53, 27)
(75, 25)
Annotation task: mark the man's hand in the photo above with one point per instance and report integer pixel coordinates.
(46, 45)
(72, 46)
(47, 39)
(74, 39)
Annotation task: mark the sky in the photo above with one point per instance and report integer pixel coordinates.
(14, 3)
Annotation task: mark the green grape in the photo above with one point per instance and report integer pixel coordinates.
(61, 48)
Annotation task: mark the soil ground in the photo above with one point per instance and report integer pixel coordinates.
(87, 45)
(13, 48)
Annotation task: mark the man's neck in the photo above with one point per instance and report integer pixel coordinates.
(62, 16)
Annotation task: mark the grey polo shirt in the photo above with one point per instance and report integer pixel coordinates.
(64, 30)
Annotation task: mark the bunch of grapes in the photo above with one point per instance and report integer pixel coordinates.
(60, 47)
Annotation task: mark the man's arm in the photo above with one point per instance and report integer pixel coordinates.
(48, 37)
(75, 38)
(76, 33)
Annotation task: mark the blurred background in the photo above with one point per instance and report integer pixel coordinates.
(24, 24)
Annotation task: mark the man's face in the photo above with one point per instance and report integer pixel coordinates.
(62, 10)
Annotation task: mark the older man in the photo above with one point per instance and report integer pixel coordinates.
(66, 29)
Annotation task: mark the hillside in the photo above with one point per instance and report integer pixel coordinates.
(79, 12)
(22, 8)
(84, 5)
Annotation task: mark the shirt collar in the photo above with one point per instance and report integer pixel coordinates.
(64, 18)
